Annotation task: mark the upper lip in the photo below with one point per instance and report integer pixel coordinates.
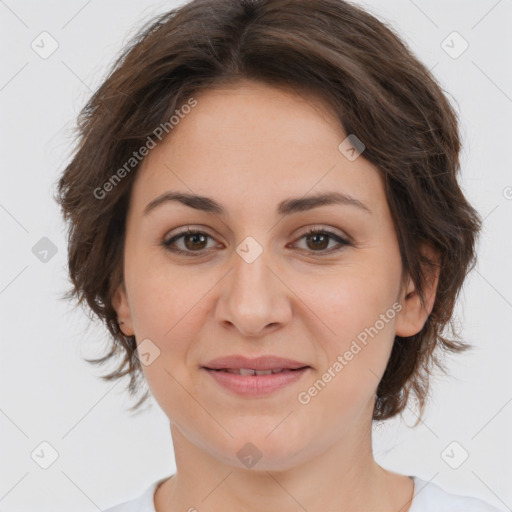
(237, 362)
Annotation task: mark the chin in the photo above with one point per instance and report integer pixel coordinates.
(262, 452)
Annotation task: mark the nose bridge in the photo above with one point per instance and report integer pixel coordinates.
(250, 277)
(253, 298)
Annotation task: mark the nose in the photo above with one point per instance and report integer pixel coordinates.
(255, 299)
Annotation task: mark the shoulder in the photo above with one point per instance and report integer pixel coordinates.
(429, 497)
(142, 503)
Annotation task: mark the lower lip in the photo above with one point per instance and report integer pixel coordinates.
(256, 385)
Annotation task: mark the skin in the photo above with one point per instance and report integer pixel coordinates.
(249, 146)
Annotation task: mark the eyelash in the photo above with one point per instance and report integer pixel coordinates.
(314, 231)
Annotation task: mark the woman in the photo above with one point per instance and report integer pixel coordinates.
(264, 210)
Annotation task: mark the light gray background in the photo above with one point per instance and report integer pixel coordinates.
(47, 393)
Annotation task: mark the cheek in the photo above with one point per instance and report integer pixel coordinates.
(169, 307)
(166, 311)
(165, 297)
(350, 300)
(354, 313)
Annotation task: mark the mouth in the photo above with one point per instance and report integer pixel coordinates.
(251, 383)
(250, 371)
(239, 362)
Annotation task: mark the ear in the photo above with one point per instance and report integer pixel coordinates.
(413, 315)
(122, 307)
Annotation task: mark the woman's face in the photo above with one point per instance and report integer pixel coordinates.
(254, 283)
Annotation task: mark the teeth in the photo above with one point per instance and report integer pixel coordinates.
(248, 371)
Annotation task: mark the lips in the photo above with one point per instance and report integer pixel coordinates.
(254, 385)
(250, 371)
(263, 365)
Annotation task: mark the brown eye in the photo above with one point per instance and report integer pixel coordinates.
(193, 242)
(317, 240)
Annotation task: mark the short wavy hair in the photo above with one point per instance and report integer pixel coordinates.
(328, 48)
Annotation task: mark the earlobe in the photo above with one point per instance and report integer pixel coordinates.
(414, 314)
(122, 308)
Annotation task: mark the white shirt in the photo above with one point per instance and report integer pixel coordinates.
(428, 497)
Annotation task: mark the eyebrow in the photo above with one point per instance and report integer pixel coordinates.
(286, 207)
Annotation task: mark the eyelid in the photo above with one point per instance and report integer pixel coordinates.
(167, 243)
(323, 229)
(341, 240)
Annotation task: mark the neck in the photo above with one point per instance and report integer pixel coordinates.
(344, 478)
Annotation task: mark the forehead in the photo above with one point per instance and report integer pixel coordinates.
(258, 142)
(248, 117)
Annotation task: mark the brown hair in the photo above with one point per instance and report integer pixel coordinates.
(330, 48)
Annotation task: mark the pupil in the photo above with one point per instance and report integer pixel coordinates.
(194, 243)
(198, 239)
(316, 236)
